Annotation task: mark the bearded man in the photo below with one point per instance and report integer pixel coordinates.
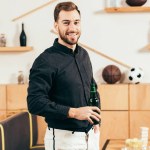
(59, 87)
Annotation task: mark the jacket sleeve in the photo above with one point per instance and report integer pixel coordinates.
(40, 82)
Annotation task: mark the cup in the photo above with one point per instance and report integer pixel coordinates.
(144, 137)
(144, 128)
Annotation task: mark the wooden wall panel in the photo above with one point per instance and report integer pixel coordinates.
(139, 97)
(2, 102)
(16, 97)
(114, 97)
(2, 97)
(114, 125)
(2, 115)
(138, 119)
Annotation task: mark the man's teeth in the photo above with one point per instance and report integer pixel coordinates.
(72, 34)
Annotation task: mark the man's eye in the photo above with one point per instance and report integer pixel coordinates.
(66, 23)
(76, 23)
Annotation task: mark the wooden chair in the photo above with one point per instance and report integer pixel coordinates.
(34, 134)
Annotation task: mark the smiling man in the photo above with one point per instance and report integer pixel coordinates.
(68, 27)
(59, 87)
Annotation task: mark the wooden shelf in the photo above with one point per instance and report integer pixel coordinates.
(148, 46)
(16, 49)
(127, 9)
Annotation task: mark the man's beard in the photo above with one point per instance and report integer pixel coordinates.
(66, 40)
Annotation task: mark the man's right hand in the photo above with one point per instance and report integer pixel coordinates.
(85, 113)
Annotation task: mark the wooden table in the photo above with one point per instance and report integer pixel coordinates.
(112, 144)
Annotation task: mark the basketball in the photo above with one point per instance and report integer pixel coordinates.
(136, 2)
(111, 74)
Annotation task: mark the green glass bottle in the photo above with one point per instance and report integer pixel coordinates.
(94, 101)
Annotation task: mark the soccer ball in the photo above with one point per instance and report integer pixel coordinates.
(135, 75)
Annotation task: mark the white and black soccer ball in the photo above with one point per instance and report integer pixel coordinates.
(135, 75)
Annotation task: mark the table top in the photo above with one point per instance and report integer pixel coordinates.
(112, 144)
(115, 144)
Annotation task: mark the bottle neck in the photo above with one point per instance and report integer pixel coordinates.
(22, 27)
(93, 91)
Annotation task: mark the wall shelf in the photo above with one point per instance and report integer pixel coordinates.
(16, 49)
(127, 9)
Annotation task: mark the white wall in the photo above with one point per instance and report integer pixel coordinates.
(122, 36)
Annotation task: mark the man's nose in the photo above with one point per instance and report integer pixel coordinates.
(72, 26)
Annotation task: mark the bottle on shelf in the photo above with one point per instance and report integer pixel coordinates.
(23, 37)
(94, 101)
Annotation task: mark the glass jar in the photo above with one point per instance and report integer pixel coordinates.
(2, 40)
(20, 77)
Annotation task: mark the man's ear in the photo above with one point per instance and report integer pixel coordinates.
(56, 26)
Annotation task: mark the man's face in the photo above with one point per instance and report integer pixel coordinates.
(68, 27)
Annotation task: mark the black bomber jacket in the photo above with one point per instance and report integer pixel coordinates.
(60, 79)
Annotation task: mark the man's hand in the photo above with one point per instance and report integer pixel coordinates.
(85, 113)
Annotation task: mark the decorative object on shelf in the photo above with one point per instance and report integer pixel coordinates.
(20, 77)
(111, 74)
(23, 37)
(110, 3)
(118, 3)
(113, 3)
(135, 75)
(136, 2)
(2, 40)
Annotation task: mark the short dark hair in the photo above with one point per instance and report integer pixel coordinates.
(66, 6)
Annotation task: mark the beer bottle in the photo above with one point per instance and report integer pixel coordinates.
(94, 101)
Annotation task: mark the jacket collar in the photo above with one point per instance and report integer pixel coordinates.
(65, 49)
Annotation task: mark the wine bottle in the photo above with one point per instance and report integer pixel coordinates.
(94, 101)
(23, 37)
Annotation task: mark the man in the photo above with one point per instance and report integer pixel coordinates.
(59, 87)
